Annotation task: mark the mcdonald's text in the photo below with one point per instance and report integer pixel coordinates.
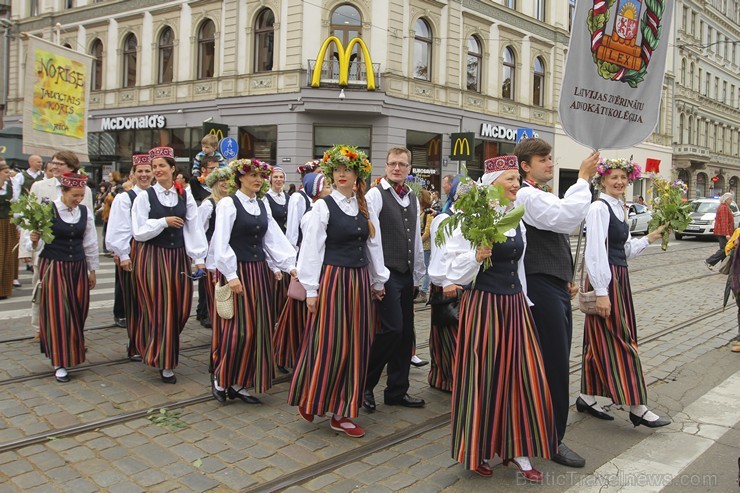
(134, 122)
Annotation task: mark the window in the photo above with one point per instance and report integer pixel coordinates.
(264, 41)
(206, 50)
(475, 59)
(683, 73)
(511, 4)
(538, 84)
(96, 51)
(539, 10)
(259, 142)
(422, 50)
(346, 24)
(166, 56)
(571, 13)
(706, 84)
(34, 8)
(724, 92)
(691, 76)
(324, 137)
(507, 86)
(69, 4)
(690, 136)
(716, 87)
(680, 128)
(701, 185)
(129, 61)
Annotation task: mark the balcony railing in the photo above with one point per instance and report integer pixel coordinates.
(693, 152)
(357, 73)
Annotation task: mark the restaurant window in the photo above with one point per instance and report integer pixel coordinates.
(346, 24)
(325, 136)
(422, 50)
(206, 50)
(475, 58)
(130, 46)
(166, 56)
(97, 66)
(426, 156)
(538, 83)
(264, 41)
(259, 142)
(509, 70)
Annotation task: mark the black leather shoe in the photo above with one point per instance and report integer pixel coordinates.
(420, 363)
(567, 457)
(219, 395)
(120, 322)
(135, 358)
(249, 399)
(585, 408)
(63, 379)
(368, 401)
(640, 420)
(172, 379)
(206, 322)
(405, 401)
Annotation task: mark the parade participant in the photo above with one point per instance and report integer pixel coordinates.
(67, 268)
(724, 225)
(500, 400)
(22, 183)
(341, 267)
(277, 201)
(611, 364)
(208, 145)
(291, 323)
(442, 338)
(247, 244)
(298, 204)
(165, 225)
(397, 210)
(8, 235)
(734, 282)
(549, 267)
(198, 184)
(446, 188)
(120, 241)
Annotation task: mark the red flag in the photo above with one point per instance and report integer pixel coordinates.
(652, 165)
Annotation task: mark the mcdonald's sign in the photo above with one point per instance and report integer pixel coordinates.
(344, 55)
(218, 129)
(433, 151)
(463, 146)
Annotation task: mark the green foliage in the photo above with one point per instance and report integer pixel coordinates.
(31, 215)
(669, 209)
(167, 419)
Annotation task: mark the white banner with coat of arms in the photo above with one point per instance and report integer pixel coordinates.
(611, 92)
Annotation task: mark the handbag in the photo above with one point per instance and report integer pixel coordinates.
(224, 303)
(38, 290)
(587, 299)
(725, 266)
(445, 309)
(296, 290)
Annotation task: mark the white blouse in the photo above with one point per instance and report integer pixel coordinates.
(279, 253)
(277, 197)
(440, 257)
(311, 258)
(73, 216)
(546, 211)
(205, 211)
(119, 233)
(597, 256)
(145, 229)
(296, 210)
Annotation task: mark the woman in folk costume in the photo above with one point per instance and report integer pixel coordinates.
(442, 338)
(8, 235)
(291, 324)
(277, 201)
(168, 234)
(341, 266)
(298, 204)
(67, 268)
(219, 182)
(611, 364)
(500, 398)
(248, 248)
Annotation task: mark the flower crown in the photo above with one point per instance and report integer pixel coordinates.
(349, 156)
(605, 167)
(219, 174)
(309, 166)
(244, 166)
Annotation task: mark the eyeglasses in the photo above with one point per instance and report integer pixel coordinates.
(397, 164)
(58, 163)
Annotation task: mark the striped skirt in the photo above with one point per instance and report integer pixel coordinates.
(611, 364)
(165, 298)
(130, 302)
(500, 398)
(332, 365)
(289, 332)
(8, 256)
(65, 300)
(442, 344)
(244, 347)
(279, 295)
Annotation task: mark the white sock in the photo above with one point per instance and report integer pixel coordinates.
(240, 390)
(415, 359)
(640, 410)
(61, 372)
(167, 373)
(524, 463)
(589, 399)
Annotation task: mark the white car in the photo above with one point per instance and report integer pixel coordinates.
(703, 212)
(639, 216)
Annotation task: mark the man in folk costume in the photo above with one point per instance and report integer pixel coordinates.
(398, 214)
(548, 263)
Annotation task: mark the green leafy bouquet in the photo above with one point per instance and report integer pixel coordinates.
(31, 215)
(482, 214)
(669, 207)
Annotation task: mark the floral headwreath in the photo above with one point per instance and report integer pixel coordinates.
(244, 166)
(309, 166)
(218, 174)
(605, 167)
(349, 156)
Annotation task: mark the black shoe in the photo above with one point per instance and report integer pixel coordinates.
(368, 401)
(405, 401)
(120, 322)
(63, 379)
(219, 395)
(249, 399)
(567, 457)
(420, 363)
(136, 358)
(640, 420)
(29, 267)
(585, 408)
(206, 322)
(172, 379)
(282, 369)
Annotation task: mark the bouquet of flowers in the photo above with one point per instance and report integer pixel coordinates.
(415, 183)
(484, 215)
(669, 207)
(31, 215)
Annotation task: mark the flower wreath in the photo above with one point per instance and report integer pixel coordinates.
(605, 167)
(244, 166)
(309, 166)
(349, 156)
(218, 174)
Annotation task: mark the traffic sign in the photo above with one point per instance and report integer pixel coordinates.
(229, 148)
(524, 133)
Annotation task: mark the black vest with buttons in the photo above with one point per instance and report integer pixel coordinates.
(28, 181)
(170, 237)
(67, 244)
(132, 196)
(5, 200)
(618, 233)
(279, 212)
(502, 277)
(211, 220)
(247, 233)
(346, 237)
(398, 225)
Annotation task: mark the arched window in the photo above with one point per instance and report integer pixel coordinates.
(206, 50)
(346, 24)
(130, 46)
(538, 84)
(96, 51)
(690, 136)
(733, 185)
(685, 177)
(264, 41)
(475, 62)
(691, 76)
(509, 71)
(422, 50)
(701, 185)
(166, 56)
(683, 73)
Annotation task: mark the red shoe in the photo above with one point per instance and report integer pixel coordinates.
(305, 415)
(347, 426)
(532, 475)
(484, 470)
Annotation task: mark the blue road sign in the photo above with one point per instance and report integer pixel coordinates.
(524, 133)
(229, 148)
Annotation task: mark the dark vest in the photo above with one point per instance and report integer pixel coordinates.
(67, 244)
(170, 237)
(346, 237)
(247, 233)
(29, 180)
(279, 212)
(548, 253)
(308, 208)
(398, 228)
(5, 200)
(502, 277)
(617, 234)
(211, 221)
(132, 196)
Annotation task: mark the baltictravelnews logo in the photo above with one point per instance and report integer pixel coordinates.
(617, 54)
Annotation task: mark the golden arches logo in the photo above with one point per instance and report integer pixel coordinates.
(434, 146)
(218, 133)
(461, 147)
(344, 55)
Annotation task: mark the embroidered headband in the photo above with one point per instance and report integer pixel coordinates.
(501, 163)
(140, 159)
(73, 180)
(161, 152)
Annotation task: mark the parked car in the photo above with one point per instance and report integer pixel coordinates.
(703, 212)
(639, 216)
